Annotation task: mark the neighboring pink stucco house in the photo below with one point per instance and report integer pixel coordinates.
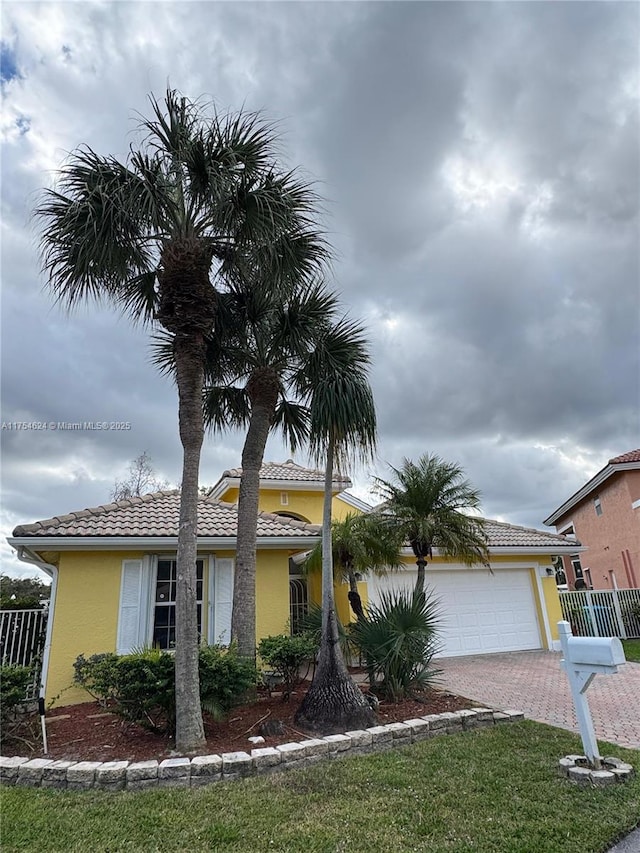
(604, 515)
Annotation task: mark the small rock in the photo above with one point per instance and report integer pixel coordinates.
(256, 739)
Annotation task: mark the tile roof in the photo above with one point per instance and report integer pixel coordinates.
(289, 470)
(503, 535)
(631, 456)
(157, 514)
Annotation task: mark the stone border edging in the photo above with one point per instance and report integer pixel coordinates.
(207, 769)
(576, 768)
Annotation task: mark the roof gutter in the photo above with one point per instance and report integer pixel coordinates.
(497, 550)
(119, 543)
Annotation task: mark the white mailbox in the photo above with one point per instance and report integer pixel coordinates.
(606, 652)
(584, 658)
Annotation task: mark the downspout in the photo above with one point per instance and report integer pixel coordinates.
(27, 556)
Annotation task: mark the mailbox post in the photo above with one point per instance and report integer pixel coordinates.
(584, 658)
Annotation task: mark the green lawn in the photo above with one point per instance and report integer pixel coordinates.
(492, 791)
(632, 650)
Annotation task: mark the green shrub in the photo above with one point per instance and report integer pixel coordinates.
(14, 684)
(286, 655)
(398, 640)
(141, 686)
(98, 675)
(225, 678)
(145, 685)
(631, 617)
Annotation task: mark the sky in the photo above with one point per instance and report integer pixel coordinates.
(480, 168)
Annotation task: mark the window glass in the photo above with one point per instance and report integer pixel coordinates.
(164, 618)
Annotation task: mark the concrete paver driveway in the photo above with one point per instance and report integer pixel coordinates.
(535, 683)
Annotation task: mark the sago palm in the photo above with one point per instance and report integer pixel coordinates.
(343, 423)
(426, 504)
(200, 200)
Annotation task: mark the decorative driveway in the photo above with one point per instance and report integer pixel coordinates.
(535, 683)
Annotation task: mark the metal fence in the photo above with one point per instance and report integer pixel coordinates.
(602, 613)
(22, 637)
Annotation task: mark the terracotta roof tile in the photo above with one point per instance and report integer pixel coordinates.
(157, 514)
(290, 470)
(631, 456)
(501, 534)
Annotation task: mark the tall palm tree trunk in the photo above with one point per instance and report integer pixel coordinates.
(263, 393)
(333, 703)
(189, 376)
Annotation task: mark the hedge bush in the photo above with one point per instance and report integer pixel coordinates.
(286, 656)
(141, 686)
(14, 683)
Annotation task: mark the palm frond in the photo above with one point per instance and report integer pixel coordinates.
(96, 225)
(162, 353)
(361, 544)
(292, 420)
(428, 502)
(225, 407)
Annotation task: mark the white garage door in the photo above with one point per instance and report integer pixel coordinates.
(480, 612)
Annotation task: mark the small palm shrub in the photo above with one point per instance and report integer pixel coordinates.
(398, 641)
(287, 655)
(311, 624)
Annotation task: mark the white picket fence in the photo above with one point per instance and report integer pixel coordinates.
(603, 613)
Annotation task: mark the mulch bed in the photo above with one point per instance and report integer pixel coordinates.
(91, 733)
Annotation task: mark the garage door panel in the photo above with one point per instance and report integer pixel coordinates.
(480, 612)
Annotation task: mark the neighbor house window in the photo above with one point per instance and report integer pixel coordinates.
(284, 498)
(164, 617)
(598, 506)
(577, 568)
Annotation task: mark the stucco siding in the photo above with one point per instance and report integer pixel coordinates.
(87, 603)
(613, 538)
(85, 618)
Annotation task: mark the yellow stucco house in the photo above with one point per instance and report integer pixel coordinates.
(113, 574)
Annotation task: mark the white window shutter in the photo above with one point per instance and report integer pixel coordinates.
(130, 606)
(223, 601)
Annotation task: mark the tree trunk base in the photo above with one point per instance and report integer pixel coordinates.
(334, 703)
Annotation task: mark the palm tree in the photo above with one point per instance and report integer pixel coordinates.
(158, 235)
(257, 369)
(361, 544)
(426, 505)
(343, 420)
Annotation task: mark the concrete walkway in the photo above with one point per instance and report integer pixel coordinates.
(534, 682)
